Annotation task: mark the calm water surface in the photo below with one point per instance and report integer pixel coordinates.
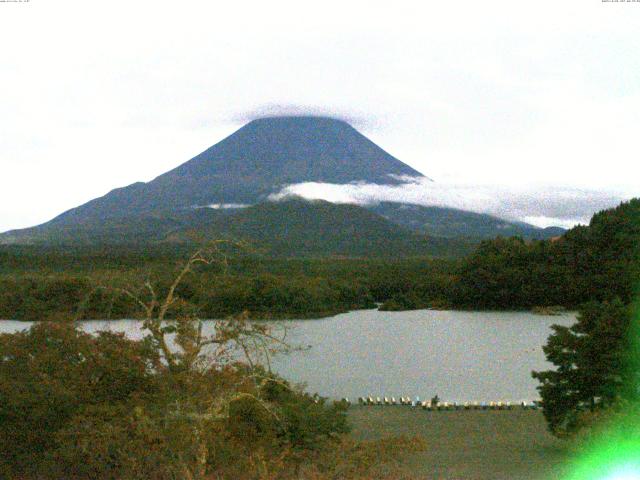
(461, 356)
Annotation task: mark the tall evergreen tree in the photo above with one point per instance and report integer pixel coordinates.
(592, 365)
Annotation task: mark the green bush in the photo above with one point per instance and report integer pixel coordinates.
(50, 373)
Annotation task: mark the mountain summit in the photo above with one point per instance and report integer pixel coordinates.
(252, 163)
(284, 150)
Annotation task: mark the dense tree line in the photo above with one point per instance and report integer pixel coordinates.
(599, 262)
(216, 296)
(595, 262)
(267, 288)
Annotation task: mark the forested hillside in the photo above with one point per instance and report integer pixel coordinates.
(291, 228)
(595, 262)
(454, 223)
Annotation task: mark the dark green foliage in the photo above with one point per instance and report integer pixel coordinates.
(249, 419)
(267, 288)
(91, 407)
(307, 418)
(605, 256)
(267, 295)
(60, 297)
(591, 360)
(598, 262)
(454, 223)
(511, 273)
(322, 229)
(292, 228)
(39, 298)
(401, 301)
(51, 372)
(112, 441)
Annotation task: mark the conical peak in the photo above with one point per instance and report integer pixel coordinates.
(298, 120)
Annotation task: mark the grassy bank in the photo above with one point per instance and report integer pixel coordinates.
(469, 445)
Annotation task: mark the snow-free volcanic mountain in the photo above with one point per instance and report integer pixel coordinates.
(244, 169)
(255, 161)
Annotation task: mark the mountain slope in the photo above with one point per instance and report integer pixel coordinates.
(319, 228)
(451, 222)
(245, 168)
(252, 163)
(288, 228)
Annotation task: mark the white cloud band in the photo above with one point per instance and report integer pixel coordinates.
(541, 205)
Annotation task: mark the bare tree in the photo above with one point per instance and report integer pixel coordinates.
(176, 332)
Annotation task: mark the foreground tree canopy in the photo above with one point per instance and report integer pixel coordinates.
(594, 366)
(176, 404)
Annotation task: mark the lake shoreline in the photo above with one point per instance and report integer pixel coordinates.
(327, 314)
(458, 355)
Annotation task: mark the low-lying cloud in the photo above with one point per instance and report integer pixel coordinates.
(542, 205)
(227, 206)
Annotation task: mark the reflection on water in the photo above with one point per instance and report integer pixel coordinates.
(461, 356)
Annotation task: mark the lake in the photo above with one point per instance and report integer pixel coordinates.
(461, 356)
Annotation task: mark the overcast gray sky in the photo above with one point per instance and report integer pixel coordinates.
(499, 100)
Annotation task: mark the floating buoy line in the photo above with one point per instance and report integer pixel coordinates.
(431, 405)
